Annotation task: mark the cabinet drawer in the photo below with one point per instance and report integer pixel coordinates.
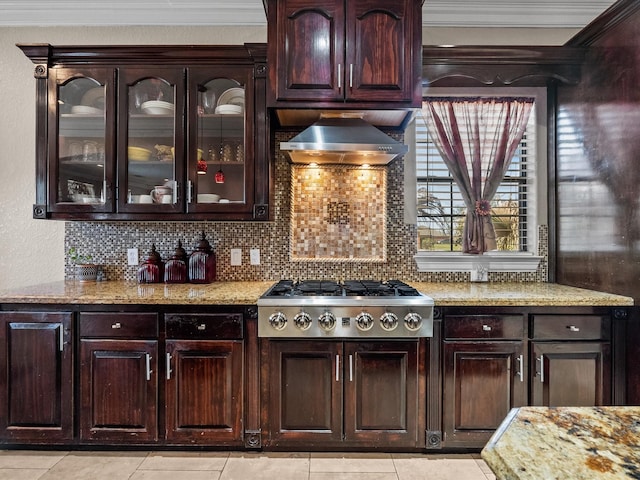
(118, 324)
(484, 326)
(206, 326)
(570, 327)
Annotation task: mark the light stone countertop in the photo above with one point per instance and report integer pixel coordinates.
(247, 293)
(566, 443)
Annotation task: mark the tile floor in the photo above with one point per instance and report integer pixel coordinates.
(138, 465)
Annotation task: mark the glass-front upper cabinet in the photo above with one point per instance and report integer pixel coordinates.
(80, 151)
(220, 142)
(151, 140)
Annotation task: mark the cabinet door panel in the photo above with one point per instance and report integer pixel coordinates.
(310, 50)
(381, 385)
(36, 376)
(573, 374)
(118, 389)
(204, 391)
(305, 392)
(483, 381)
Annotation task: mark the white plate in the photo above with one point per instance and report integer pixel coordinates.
(94, 98)
(157, 107)
(232, 96)
(85, 110)
(229, 109)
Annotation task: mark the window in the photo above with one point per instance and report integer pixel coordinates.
(441, 210)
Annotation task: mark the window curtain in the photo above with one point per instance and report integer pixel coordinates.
(477, 138)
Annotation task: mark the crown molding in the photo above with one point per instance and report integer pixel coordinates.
(436, 13)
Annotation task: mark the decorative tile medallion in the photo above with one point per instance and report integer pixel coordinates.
(338, 213)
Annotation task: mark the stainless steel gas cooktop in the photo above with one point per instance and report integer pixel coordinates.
(349, 309)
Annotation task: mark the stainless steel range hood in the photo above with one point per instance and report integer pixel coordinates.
(339, 139)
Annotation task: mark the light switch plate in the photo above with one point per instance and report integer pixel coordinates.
(236, 256)
(132, 256)
(254, 256)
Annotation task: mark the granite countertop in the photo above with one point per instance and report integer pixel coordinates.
(247, 293)
(578, 443)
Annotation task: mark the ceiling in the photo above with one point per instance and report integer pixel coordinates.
(436, 13)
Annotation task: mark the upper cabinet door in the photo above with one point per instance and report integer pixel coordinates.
(308, 49)
(365, 51)
(220, 148)
(81, 119)
(151, 140)
(380, 56)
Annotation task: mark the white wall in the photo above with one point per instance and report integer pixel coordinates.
(32, 251)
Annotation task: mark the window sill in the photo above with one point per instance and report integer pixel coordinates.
(465, 262)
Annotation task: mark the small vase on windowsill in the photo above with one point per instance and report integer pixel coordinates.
(85, 271)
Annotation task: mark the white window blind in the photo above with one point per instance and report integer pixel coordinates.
(442, 212)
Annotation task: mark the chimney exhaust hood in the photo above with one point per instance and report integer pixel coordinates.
(343, 139)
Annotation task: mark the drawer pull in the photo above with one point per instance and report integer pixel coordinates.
(486, 328)
(116, 325)
(573, 328)
(520, 373)
(202, 327)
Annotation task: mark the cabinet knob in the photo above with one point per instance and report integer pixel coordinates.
(486, 328)
(573, 328)
(116, 325)
(202, 327)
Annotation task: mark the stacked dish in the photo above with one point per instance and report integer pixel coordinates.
(138, 154)
(86, 110)
(157, 107)
(231, 101)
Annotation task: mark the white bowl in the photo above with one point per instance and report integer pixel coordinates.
(208, 198)
(229, 109)
(86, 110)
(157, 107)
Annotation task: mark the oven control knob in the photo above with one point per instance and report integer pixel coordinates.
(278, 320)
(413, 321)
(389, 321)
(364, 321)
(327, 321)
(302, 320)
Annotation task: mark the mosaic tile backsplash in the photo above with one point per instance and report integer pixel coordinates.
(108, 242)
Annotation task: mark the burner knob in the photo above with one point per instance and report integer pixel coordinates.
(389, 321)
(302, 320)
(327, 321)
(278, 320)
(364, 321)
(413, 321)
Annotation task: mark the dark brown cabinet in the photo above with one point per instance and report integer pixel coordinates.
(571, 360)
(484, 375)
(36, 377)
(151, 133)
(337, 51)
(204, 379)
(343, 393)
(118, 377)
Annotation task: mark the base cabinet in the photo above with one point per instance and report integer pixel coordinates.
(36, 377)
(328, 393)
(118, 377)
(204, 379)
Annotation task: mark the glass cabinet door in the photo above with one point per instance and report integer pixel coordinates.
(80, 132)
(151, 141)
(219, 152)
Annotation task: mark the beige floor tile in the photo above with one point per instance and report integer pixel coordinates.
(352, 462)
(483, 466)
(29, 458)
(21, 473)
(175, 475)
(353, 476)
(437, 467)
(267, 467)
(185, 461)
(96, 466)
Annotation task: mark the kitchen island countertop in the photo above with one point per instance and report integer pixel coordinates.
(577, 443)
(247, 293)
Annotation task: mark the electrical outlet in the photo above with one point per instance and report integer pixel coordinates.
(254, 256)
(132, 256)
(236, 256)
